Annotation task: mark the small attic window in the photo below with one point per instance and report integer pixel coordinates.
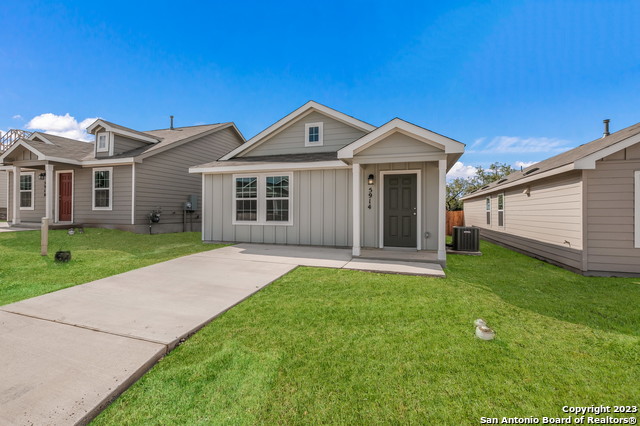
(101, 143)
(313, 134)
(528, 172)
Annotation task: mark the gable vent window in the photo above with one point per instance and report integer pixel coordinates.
(488, 209)
(313, 134)
(501, 209)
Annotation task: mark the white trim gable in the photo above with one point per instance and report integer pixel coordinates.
(24, 145)
(131, 135)
(589, 161)
(292, 117)
(449, 146)
(38, 135)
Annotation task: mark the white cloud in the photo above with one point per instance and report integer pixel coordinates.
(516, 144)
(61, 125)
(459, 170)
(524, 164)
(17, 117)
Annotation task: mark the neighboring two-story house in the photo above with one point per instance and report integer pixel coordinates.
(116, 181)
(321, 177)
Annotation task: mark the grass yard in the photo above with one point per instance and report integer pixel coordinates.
(97, 253)
(348, 347)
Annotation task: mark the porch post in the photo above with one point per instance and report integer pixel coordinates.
(16, 195)
(442, 206)
(49, 194)
(356, 208)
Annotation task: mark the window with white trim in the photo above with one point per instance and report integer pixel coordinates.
(501, 209)
(488, 209)
(27, 184)
(636, 201)
(102, 142)
(262, 199)
(313, 134)
(102, 188)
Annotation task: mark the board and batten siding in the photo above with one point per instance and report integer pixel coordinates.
(610, 214)
(120, 213)
(320, 207)
(547, 223)
(290, 140)
(163, 180)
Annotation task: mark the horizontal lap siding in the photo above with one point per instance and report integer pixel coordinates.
(120, 213)
(547, 223)
(610, 217)
(321, 210)
(39, 201)
(163, 180)
(122, 144)
(291, 140)
(3, 189)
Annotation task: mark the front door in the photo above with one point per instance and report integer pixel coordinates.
(65, 200)
(400, 210)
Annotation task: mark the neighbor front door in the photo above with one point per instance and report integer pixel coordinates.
(400, 210)
(65, 196)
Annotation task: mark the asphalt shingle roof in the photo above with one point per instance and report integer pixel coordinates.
(61, 147)
(283, 158)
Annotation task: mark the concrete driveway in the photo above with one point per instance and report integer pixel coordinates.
(67, 354)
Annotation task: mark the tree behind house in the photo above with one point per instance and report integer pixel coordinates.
(459, 187)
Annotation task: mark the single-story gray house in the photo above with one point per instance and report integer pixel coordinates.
(115, 181)
(321, 177)
(579, 209)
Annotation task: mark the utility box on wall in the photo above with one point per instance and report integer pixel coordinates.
(193, 199)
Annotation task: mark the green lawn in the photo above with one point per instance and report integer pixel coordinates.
(97, 253)
(348, 347)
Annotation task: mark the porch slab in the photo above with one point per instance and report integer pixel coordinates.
(396, 267)
(403, 255)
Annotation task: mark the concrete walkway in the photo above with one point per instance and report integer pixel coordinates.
(65, 355)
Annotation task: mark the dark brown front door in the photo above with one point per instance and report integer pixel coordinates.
(400, 210)
(65, 189)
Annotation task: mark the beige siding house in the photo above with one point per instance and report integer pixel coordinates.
(579, 209)
(116, 181)
(321, 177)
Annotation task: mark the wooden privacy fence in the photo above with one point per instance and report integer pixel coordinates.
(454, 218)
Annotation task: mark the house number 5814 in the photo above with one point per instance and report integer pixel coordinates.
(370, 197)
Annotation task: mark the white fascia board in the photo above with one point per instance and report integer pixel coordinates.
(589, 161)
(409, 129)
(311, 105)
(6, 168)
(272, 166)
(524, 181)
(13, 147)
(40, 136)
(121, 132)
(108, 162)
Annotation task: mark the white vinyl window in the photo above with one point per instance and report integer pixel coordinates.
(27, 184)
(102, 188)
(636, 194)
(501, 209)
(488, 209)
(262, 199)
(313, 134)
(102, 142)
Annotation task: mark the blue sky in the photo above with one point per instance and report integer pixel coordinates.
(517, 81)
